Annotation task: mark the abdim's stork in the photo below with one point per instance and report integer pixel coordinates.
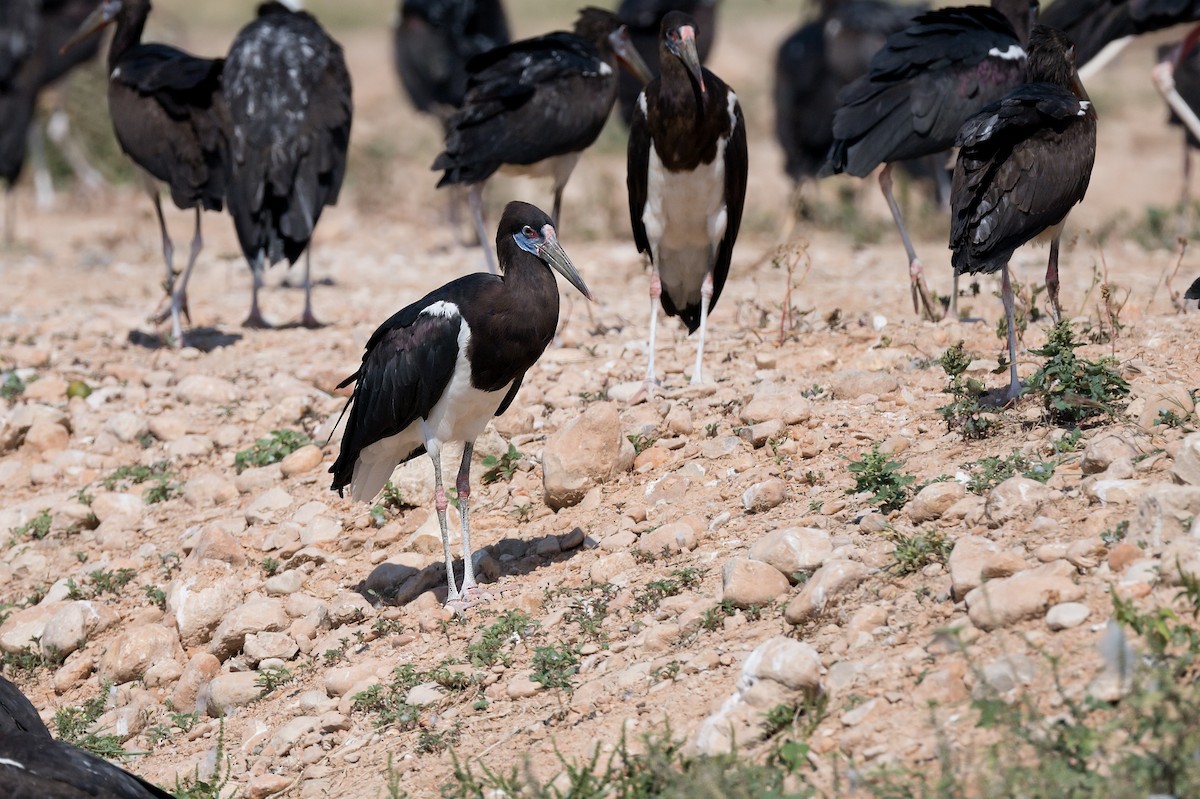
(288, 93)
(438, 370)
(534, 106)
(35, 766)
(687, 170)
(1101, 28)
(434, 40)
(925, 82)
(1023, 163)
(643, 20)
(169, 117)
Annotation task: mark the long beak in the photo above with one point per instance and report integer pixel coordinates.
(104, 14)
(628, 55)
(691, 58)
(553, 254)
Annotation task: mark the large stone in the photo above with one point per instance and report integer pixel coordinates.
(780, 671)
(209, 490)
(793, 550)
(339, 680)
(751, 582)
(215, 543)
(45, 437)
(200, 389)
(783, 403)
(257, 615)
(967, 560)
(23, 417)
(72, 626)
(999, 603)
(932, 501)
(264, 645)
(127, 426)
(1159, 399)
(301, 461)
(830, 582)
(674, 537)
(588, 451)
(1014, 499)
(118, 506)
(1187, 462)
(1164, 513)
(135, 650)
(229, 691)
(268, 507)
(763, 496)
(24, 628)
(199, 671)
(1105, 450)
(198, 604)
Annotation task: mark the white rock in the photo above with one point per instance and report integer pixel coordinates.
(1066, 615)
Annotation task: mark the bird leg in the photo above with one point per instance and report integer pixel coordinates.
(647, 389)
(1006, 295)
(558, 190)
(916, 271)
(42, 183)
(10, 216)
(179, 294)
(1052, 278)
(168, 247)
(255, 318)
(475, 200)
(706, 292)
(308, 320)
(440, 504)
(1163, 77)
(470, 593)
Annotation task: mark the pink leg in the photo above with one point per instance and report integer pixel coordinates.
(470, 593)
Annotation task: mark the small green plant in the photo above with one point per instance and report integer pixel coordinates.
(813, 391)
(987, 473)
(511, 628)
(667, 672)
(555, 666)
(877, 473)
(640, 442)
(1068, 442)
(434, 741)
(194, 787)
(157, 596)
(125, 476)
(1073, 389)
(270, 449)
(915, 552)
(12, 386)
(649, 598)
(589, 612)
(502, 468)
(161, 491)
(73, 724)
(1115, 535)
(710, 429)
(964, 412)
(778, 719)
(391, 497)
(273, 677)
(26, 660)
(270, 566)
(388, 704)
(37, 528)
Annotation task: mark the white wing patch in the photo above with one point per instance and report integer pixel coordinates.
(1012, 53)
(441, 308)
(1084, 105)
(4, 761)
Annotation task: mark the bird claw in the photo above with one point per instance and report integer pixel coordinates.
(467, 599)
(645, 393)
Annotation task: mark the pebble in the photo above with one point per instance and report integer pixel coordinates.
(233, 690)
(932, 501)
(1186, 468)
(1103, 451)
(793, 550)
(127, 426)
(209, 490)
(522, 688)
(206, 389)
(265, 785)
(588, 451)
(763, 496)
(835, 578)
(284, 583)
(854, 383)
(781, 405)
(747, 582)
(301, 461)
(255, 616)
(134, 650)
(269, 506)
(1065, 615)
(1000, 603)
(1015, 498)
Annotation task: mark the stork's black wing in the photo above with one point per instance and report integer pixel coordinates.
(922, 85)
(1092, 24)
(1023, 163)
(517, 110)
(637, 169)
(290, 109)
(737, 170)
(33, 767)
(179, 81)
(17, 713)
(1193, 292)
(408, 363)
(18, 36)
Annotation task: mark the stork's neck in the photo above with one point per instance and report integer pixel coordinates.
(529, 284)
(678, 91)
(130, 24)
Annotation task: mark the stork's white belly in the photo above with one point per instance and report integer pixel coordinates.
(685, 220)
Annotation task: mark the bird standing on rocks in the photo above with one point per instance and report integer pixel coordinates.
(439, 369)
(1023, 164)
(290, 108)
(687, 173)
(533, 106)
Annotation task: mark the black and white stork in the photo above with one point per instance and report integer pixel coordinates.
(533, 106)
(35, 766)
(816, 62)
(170, 119)
(289, 98)
(439, 369)
(1023, 164)
(434, 40)
(1177, 77)
(687, 172)
(32, 32)
(643, 20)
(923, 84)
(1193, 292)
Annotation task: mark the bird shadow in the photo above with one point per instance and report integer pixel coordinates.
(205, 339)
(395, 584)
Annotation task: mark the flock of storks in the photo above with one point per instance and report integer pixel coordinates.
(867, 84)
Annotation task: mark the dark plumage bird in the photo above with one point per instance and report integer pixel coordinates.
(1094, 25)
(815, 63)
(687, 171)
(32, 33)
(35, 766)
(288, 93)
(1177, 77)
(1023, 163)
(1193, 292)
(534, 106)
(925, 82)
(438, 370)
(643, 20)
(169, 118)
(434, 40)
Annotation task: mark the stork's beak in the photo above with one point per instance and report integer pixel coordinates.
(690, 57)
(104, 14)
(555, 256)
(628, 55)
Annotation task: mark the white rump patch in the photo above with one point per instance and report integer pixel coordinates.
(641, 103)
(441, 308)
(4, 761)
(1013, 53)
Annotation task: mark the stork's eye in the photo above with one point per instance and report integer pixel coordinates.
(673, 35)
(529, 232)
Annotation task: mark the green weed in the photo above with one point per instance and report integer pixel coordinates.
(270, 449)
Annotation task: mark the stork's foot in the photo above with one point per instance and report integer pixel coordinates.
(163, 312)
(646, 392)
(309, 321)
(923, 303)
(255, 321)
(467, 599)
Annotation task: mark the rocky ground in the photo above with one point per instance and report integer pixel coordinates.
(693, 561)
